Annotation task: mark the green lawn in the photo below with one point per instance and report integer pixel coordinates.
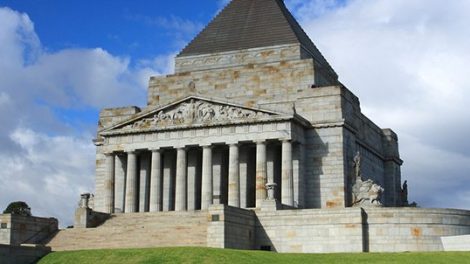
(218, 256)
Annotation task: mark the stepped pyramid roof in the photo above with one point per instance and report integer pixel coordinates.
(245, 24)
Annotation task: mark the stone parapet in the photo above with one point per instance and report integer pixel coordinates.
(87, 218)
(17, 230)
(230, 227)
(413, 229)
(310, 231)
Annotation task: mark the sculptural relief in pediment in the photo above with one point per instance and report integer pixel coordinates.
(194, 112)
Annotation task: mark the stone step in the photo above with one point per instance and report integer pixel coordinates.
(139, 230)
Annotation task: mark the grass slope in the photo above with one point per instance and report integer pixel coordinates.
(218, 256)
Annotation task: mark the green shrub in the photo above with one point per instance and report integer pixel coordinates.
(18, 208)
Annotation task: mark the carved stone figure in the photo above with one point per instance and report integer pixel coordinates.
(196, 112)
(84, 200)
(357, 165)
(271, 188)
(404, 194)
(366, 194)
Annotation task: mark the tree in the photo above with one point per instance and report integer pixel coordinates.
(18, 208)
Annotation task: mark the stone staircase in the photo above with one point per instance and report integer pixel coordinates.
(137, 230)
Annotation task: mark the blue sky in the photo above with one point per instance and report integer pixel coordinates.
(63, 61)
(138, 29)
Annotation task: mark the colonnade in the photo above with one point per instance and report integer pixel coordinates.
(193, 178)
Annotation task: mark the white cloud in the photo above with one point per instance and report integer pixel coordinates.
(48, 173)
(44, 160)
(407, 62)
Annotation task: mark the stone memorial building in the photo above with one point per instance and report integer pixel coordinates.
(252, 101)
(253, 143)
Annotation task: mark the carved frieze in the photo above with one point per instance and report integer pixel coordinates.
(196, 112)
(235, 58)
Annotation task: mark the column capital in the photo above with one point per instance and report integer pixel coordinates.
(233, 143)
(155, 149)
(180, 147)
(109, 153)
(130, 151)
(260, 142)
(206, 146)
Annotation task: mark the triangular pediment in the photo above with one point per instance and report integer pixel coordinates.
(193, 111)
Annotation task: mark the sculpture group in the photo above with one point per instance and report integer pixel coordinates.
(365, 193)
(197, 112)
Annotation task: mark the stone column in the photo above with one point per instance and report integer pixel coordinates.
(168, 182)
(131, 183)
(260, 173)
(217, 167)
(234, 176)
(156, 182)
(144, 186)
(243, 169)
(287, 193)
(299, 179)
(270, 163)
(109, 184)
(119, 183)
(192, 179)
(206, 192)
(180, 196)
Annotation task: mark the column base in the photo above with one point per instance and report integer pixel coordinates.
(270, 205)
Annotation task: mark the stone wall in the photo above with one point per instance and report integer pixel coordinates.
(379, 149)
(456, 243)
(5, 229)
(293, 231)
(230, 227)
(324, 168)
(26, 230)
(22, 254)
(247, 85)
(87, 218)
(413, 229)
(310, 231)
(111, 116)
(338, 230)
